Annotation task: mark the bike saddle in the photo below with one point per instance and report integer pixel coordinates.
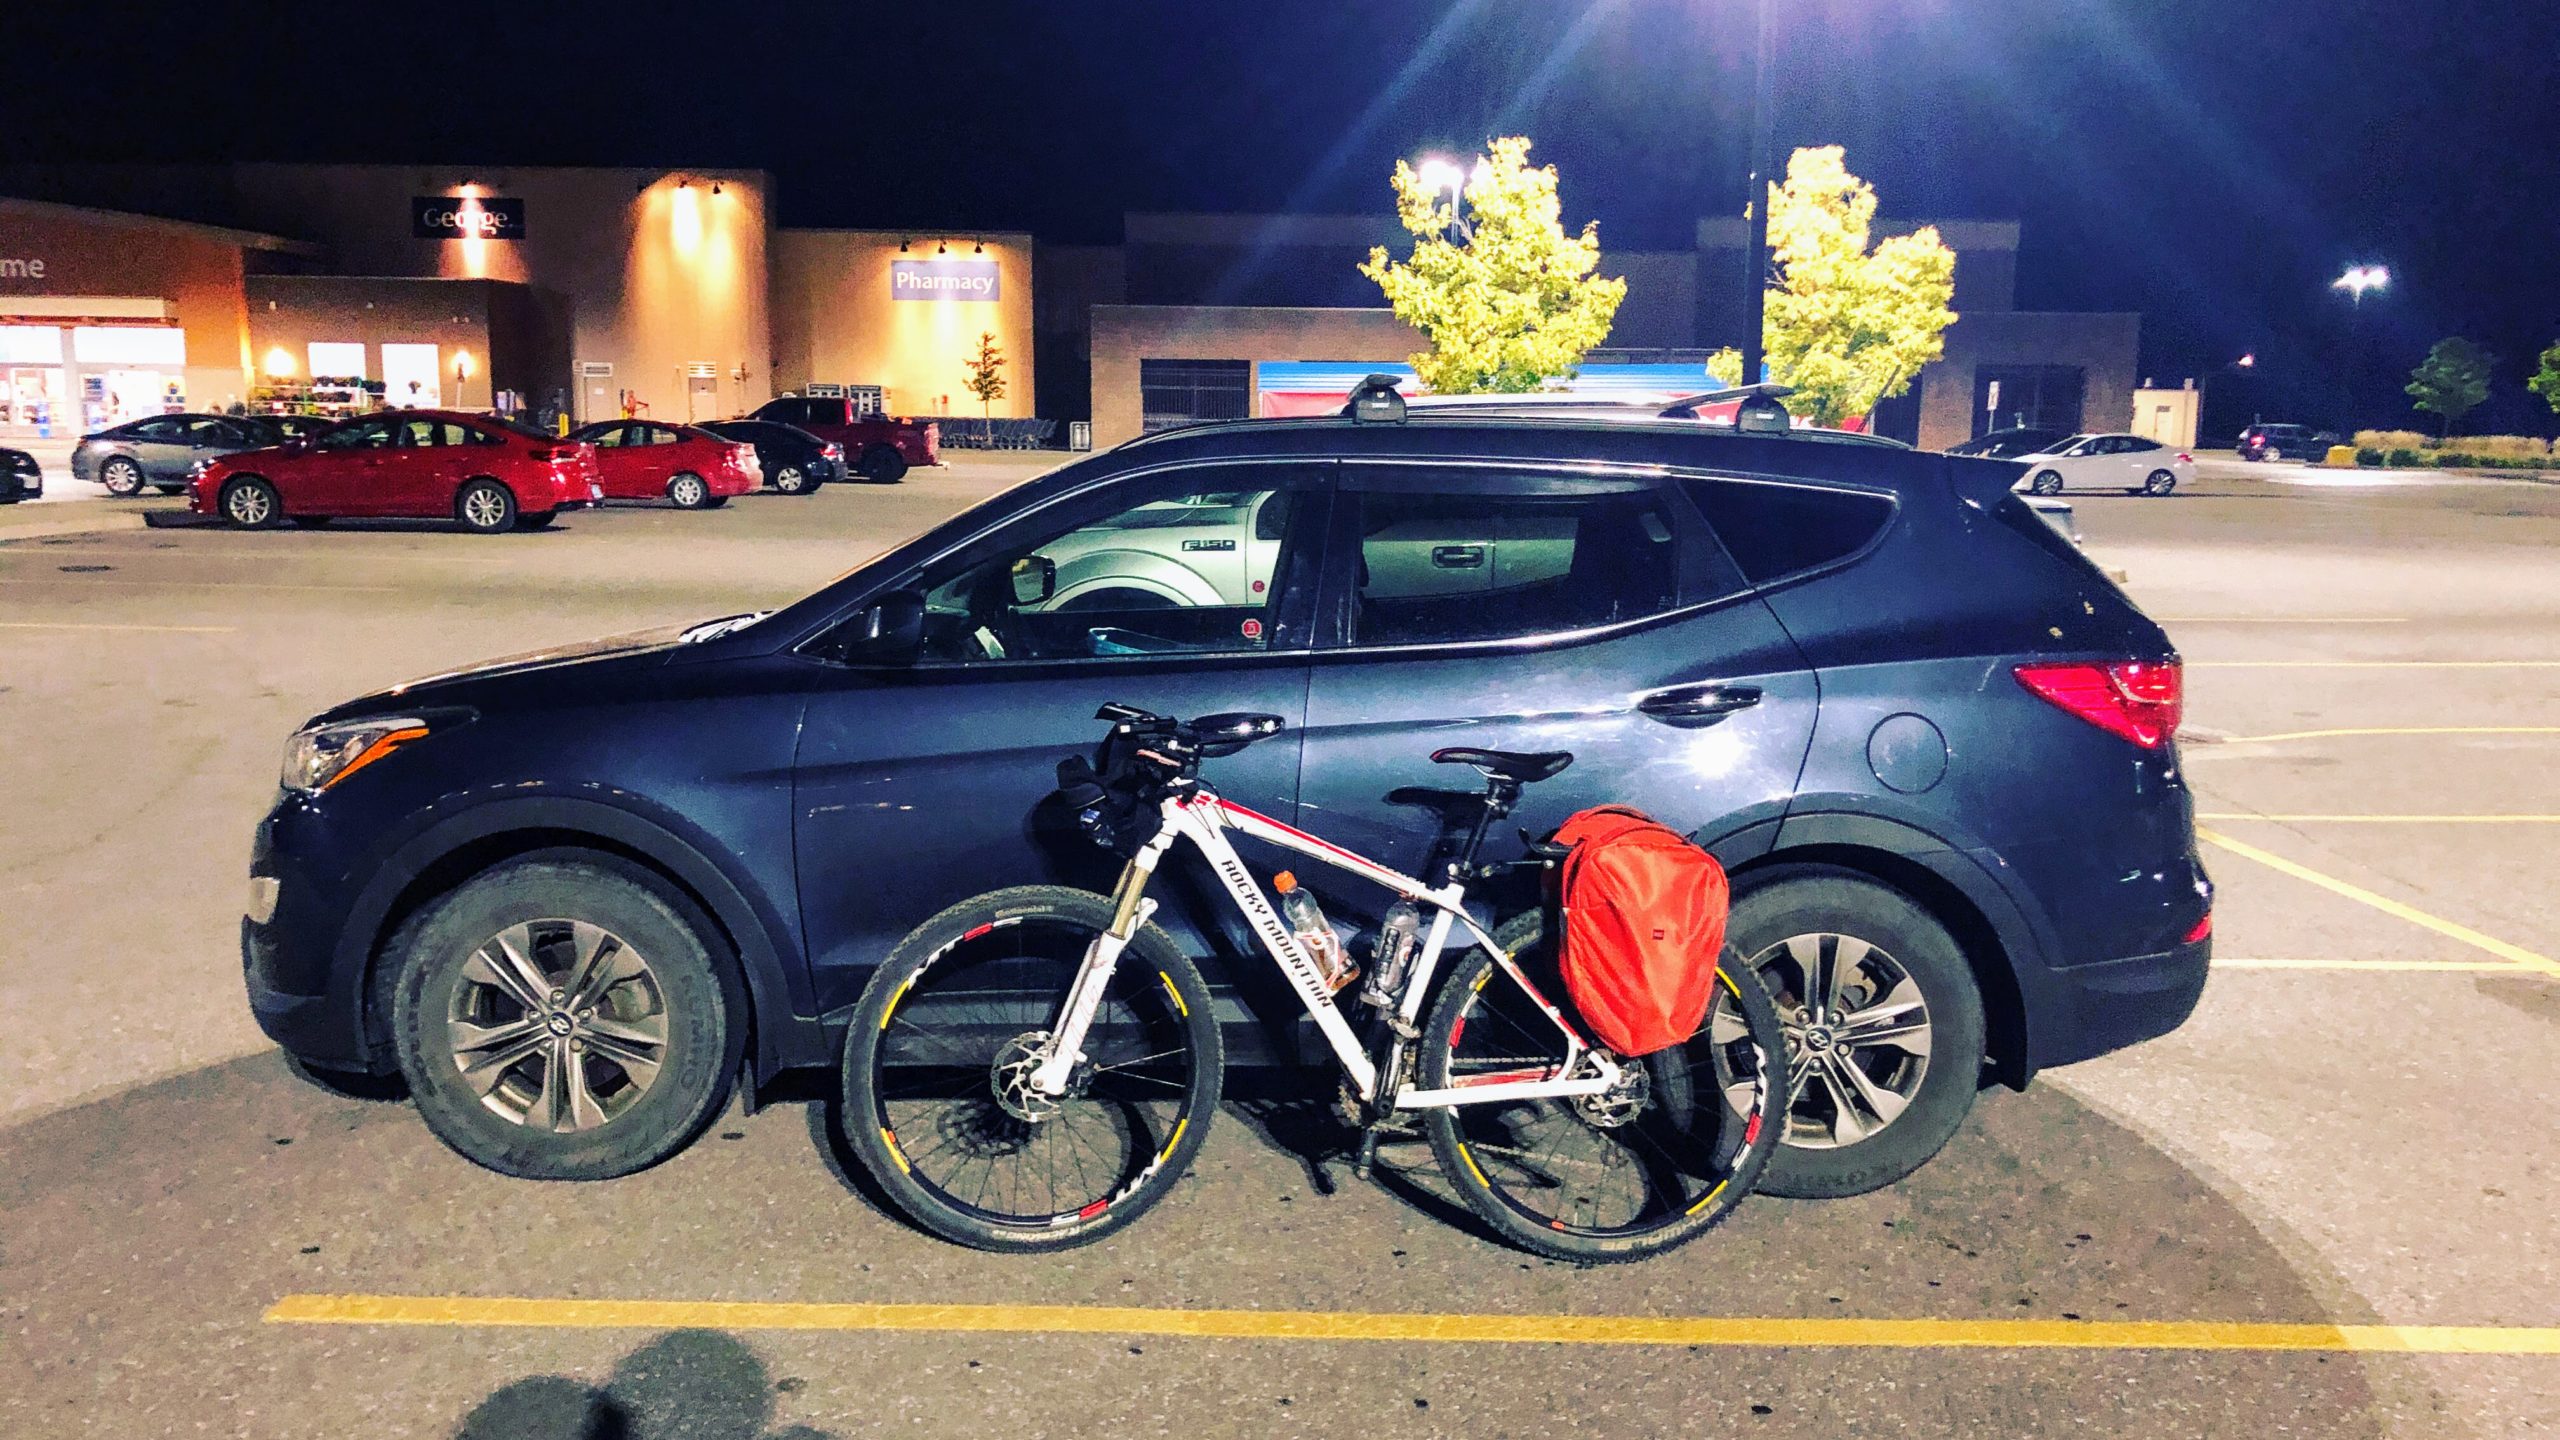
(1524, 766)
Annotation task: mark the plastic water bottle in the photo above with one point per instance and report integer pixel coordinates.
(1306, 919)
(1391, 955)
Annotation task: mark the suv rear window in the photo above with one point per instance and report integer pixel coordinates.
(1774, 531)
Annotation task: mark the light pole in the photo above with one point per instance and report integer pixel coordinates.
(2356, 280)
(1440, 175)
(1755, 245)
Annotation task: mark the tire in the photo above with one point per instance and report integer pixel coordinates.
(170, 489)
(716, 502)
(790, 479)
(2159, 482)
(1016, 950)
(122, 476)
(541, 521)
(485, 507)
(631, 1097)
(686, 491)
(1822, 1158)
(882, 465)
(310, 522)
(252, 503)
(1698, 1157)
(2046, 482)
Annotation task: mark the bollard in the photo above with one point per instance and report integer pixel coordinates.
(2341, 457)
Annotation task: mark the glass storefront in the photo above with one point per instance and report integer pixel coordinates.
(58, 380)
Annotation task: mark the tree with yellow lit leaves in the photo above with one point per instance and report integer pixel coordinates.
(1511, 301)
(1846, 326)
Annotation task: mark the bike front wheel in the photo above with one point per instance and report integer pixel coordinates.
(936, 1100)
(1604, 1178)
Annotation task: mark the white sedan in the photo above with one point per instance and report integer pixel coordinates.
(2106, 462)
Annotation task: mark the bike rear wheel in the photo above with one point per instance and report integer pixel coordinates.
(934, 1099)
(1600, 1179)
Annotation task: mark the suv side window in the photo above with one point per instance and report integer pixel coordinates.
(1774, 531)
(1453, 555)
(1152, 567)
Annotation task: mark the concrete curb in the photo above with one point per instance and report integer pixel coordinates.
(50, 527)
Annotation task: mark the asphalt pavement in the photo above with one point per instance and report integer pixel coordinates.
(2321, 1208)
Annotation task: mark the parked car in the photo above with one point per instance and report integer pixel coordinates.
(1961, 843)
(2278, 442)
(485, 474)
(20, 477)
(2133, 463)
(690, 468)
(794, 461)
(161, 450)
(2009, 444)
(877, 448)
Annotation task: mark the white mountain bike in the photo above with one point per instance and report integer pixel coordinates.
(1032, 1069)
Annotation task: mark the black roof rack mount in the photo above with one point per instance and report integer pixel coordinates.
(1375, 401)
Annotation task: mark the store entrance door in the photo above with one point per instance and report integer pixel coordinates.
(411, 379)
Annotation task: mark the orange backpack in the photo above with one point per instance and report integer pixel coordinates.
(1644, 914)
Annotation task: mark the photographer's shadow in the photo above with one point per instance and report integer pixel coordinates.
(693, 1384)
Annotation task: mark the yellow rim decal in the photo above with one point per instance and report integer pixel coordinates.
(1470, 1157)
(1176, 994)
(1178, 1127)
(1711, 1197)
(892, 1007)
(1480, 979)
(891, 1140)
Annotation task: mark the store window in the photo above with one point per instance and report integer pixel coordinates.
(411, 379)
(2040, 397)
(1179, 392)
(31, 388)
(337, 360)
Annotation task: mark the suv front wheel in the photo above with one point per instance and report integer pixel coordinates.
(562, 1018)
(1884, 1028)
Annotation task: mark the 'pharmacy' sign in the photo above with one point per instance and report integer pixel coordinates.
(944, 280)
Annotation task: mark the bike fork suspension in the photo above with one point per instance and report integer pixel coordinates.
(1129, 909)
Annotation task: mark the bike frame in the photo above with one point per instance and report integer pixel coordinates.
(1199, 815)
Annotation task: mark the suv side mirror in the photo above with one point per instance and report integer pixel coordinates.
(1035, 579)
(890, 631)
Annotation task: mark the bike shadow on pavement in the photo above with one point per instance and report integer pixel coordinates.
(699, 1384)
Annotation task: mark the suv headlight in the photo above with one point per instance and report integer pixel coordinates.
(319, 756)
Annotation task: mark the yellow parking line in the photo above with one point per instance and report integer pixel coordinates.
(2473, 966)
(2385, 819)
(2373, 664)
(2515, 954)
(152, 629)
(2392, 730)
(1826, 1332)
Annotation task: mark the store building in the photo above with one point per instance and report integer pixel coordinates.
(107, 317)
(905, 311)
(1181, 321)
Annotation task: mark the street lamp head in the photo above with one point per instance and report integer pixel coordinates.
(1440, 174)
(2360, 278)
(2248, 361)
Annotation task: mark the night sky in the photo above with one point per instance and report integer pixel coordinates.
(2210, 163)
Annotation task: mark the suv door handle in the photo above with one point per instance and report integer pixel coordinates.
(1458, 557)
(1710, 701)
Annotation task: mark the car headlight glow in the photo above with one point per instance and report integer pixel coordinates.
(319, 756)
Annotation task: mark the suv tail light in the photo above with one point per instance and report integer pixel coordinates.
(2137, 699)
(832, 450)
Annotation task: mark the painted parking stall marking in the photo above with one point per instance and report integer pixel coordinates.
(1352, 1325)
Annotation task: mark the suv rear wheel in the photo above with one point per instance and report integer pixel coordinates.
(560, 1017)
(1884, 1028)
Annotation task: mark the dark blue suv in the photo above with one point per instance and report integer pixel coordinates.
(577, 898)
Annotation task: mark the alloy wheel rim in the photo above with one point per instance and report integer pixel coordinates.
(1858, 1036)
(557, 1025)
(688, 491)
(248, 505)
(788, 480)
(123, 477)
(484, 508)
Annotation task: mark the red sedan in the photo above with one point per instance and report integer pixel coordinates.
(485, 474)
(694, 469)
